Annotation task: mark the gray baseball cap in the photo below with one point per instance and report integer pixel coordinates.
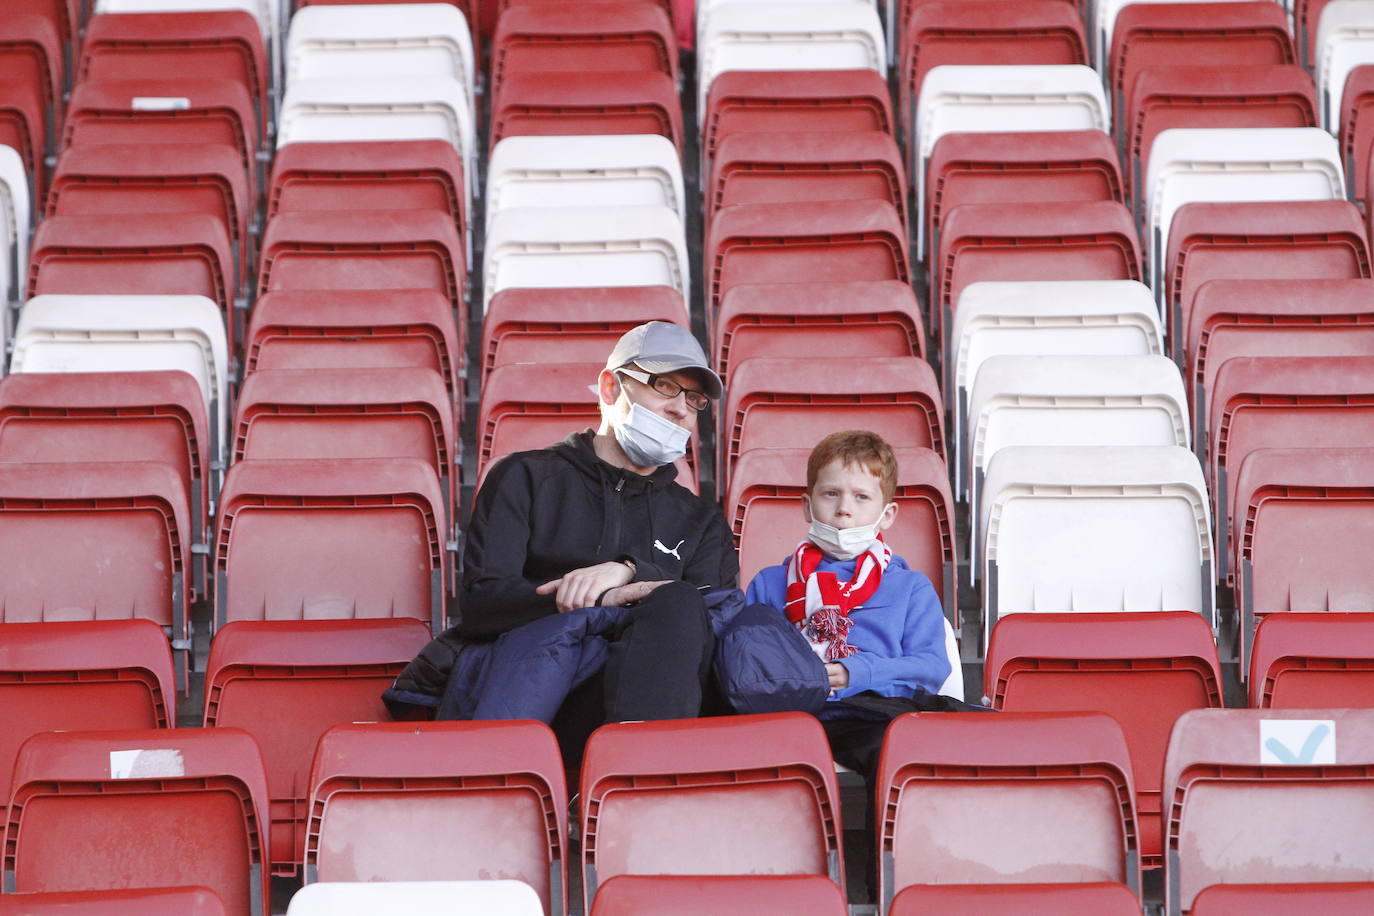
(660, 347)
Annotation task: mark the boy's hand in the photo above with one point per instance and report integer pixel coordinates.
(630, 593)
(839, 675)
(580, 587)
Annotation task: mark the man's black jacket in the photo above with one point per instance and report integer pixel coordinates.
(543, 513)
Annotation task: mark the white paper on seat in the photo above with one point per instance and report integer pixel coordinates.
(417, 898)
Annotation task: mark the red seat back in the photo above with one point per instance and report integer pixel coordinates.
(1305, 661)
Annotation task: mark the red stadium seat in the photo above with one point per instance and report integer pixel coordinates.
(1002, 168)
(785, 100)
(74, 676)
(368, 175)
(1279, 95)
(782, 403)
(213, 44)
(1143, 669)
(830, 241)
(855, 318)
(1079, 240)
(1303, 661)
(1255, 799)
(756, 167)
(356, 329)
(1300, 515)
(659, 798)
(154, 901)
(31, 55)
(542, 104)
(107, 810)
(1090, 899)
(286, 682)
(720, 895)
(607, 35)
(764, 509)
(107, 179)
(1357, 129)
(569, 325)
(1335, 899)
(417, 801)
(327, 539)
(1062, 778)
(94, 540)
(156, 416)
(1252, 33)
(533, 405)
(1276, 402)
(997, 32)
(23, 126)
(61, 14)
(1258, 240)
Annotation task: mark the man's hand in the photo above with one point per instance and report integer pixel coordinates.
(634, 591)
(580, 587)
(838, 674)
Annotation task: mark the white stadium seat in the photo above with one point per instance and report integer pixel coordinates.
(1345, 40)
(16, 222)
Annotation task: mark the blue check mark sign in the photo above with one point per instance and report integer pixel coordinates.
(1306, 753)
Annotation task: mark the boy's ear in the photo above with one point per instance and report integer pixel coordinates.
(888, 517)
(806, 507)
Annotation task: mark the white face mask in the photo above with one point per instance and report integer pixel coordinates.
(649, 440)
(843, 543)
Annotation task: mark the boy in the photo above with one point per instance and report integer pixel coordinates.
(876, 623)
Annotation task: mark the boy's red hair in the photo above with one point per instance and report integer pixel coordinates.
(855, 447)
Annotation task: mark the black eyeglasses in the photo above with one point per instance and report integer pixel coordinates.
(667, 388)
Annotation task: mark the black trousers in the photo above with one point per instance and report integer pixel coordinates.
(658, 668)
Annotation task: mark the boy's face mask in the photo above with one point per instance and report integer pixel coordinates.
(845, 543)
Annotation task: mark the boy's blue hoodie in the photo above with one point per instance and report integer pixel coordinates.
(899, 632)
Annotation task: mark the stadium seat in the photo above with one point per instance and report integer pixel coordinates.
(1306, 22)
(446, 801)
(706, 796)
(24, 127)
(1267, 796)
(1143, 669)
(544, 247)
(72, 676)
(1095, 529)
(154, 901)
(1063, 778)
(764, 510)
(115, 180)
(1343, 43)
(758, 167)
(1177, 34)
(846, 101)
(156, 416)
(110, 809)
(1165, 97)
(1045, 317)
(817, 319)
(31, 55)
(596, 102)
(794, 403)
(1001, 33)
(379, 41)
(1277, 402)
(327, 539)
(533, 405)
(337, 109)
(1097, 898)
(614, 171)
(608, 35)
(1233, 164)
(1256, 240)
(579, 324)
(1335, 899)
(1297, 513)
(212, 43)
(1049, 165)
(129, 333)
(286, 682)
(974, 99)
(1075, 240)
(1068, 401)
(490, 897)
(830, 241)
(469, 9)
(723, 895)
(1102, 16)
(1303, 661)
(845, 35)
(16, 218)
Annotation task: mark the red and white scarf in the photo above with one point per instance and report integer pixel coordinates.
(819, 604)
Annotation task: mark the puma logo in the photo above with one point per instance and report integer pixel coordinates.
(672, 553)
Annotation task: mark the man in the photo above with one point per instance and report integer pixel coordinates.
(599, 520)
